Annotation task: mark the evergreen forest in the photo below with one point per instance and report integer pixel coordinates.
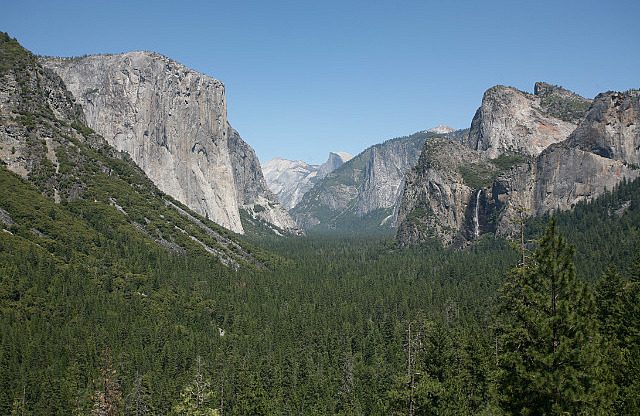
(332, 326)
(116, 299)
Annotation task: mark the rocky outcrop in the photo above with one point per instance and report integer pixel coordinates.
(561, 103)
(555, 181)
(510, 120)
(173, 122)
(336, 159)
(362, 195)
(30, 94)
(252, 192)
(456, 199)
(611, 127)
(44, 139)
(289, 180)
(602, 151)
(437, 201)
(383, 174)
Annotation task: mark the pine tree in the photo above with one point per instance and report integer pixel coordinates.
(196, 395)
(550, 359)
(139, 399)
(616, 310)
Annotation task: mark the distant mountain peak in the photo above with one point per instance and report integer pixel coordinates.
(289, 180)
(441, 129)
(344, 156)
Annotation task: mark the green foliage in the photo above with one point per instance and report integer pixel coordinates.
(478, 175)
(481, 175)
(347, 223)
(617, 299)
(12, 54)
(321, 330)
(82, 129)
(566, 109)
(604, 231)
(550, 361)
(506, 160)
(195, 397)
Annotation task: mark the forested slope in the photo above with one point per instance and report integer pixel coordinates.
(98, 314)
(324, 332)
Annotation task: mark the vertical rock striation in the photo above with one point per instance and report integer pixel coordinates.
(437, 201)
(289, 180)
(173, 122)
(361, 196)
(525, 155)
(611, 127)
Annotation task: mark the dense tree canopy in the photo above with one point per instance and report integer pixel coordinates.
(549, 360)
(323, 330)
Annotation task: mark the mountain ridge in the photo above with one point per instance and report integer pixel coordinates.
(173, 122)
(289, 180)
(362, 195)
(45, 141)
(511, 176)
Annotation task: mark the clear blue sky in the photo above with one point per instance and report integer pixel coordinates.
(304, 78)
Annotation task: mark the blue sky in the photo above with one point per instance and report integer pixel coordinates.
(304, 78)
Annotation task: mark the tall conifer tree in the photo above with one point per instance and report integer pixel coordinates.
(549, 361)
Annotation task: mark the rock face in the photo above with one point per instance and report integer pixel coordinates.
(456, 195)
(362, 195)
(252, 192)
(436, 200)
(611, 127)
(510, 120)
(604, 149)
(555, 181)
(44, 139)
(29, 92)
(289, 180)
(336, 159)
(173, 123)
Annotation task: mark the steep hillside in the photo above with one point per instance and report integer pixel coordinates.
(93, 187)
(441, 194)
(361, 195)
(492, 191)
(289, 180)
(172, 121)
(515, 121)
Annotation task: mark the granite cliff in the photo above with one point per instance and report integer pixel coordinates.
(515, 121)
(289, 180)
(601, 152)
(362, 195)
(96, 194)
(173, 122)
(436, 198)
(457, 194)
